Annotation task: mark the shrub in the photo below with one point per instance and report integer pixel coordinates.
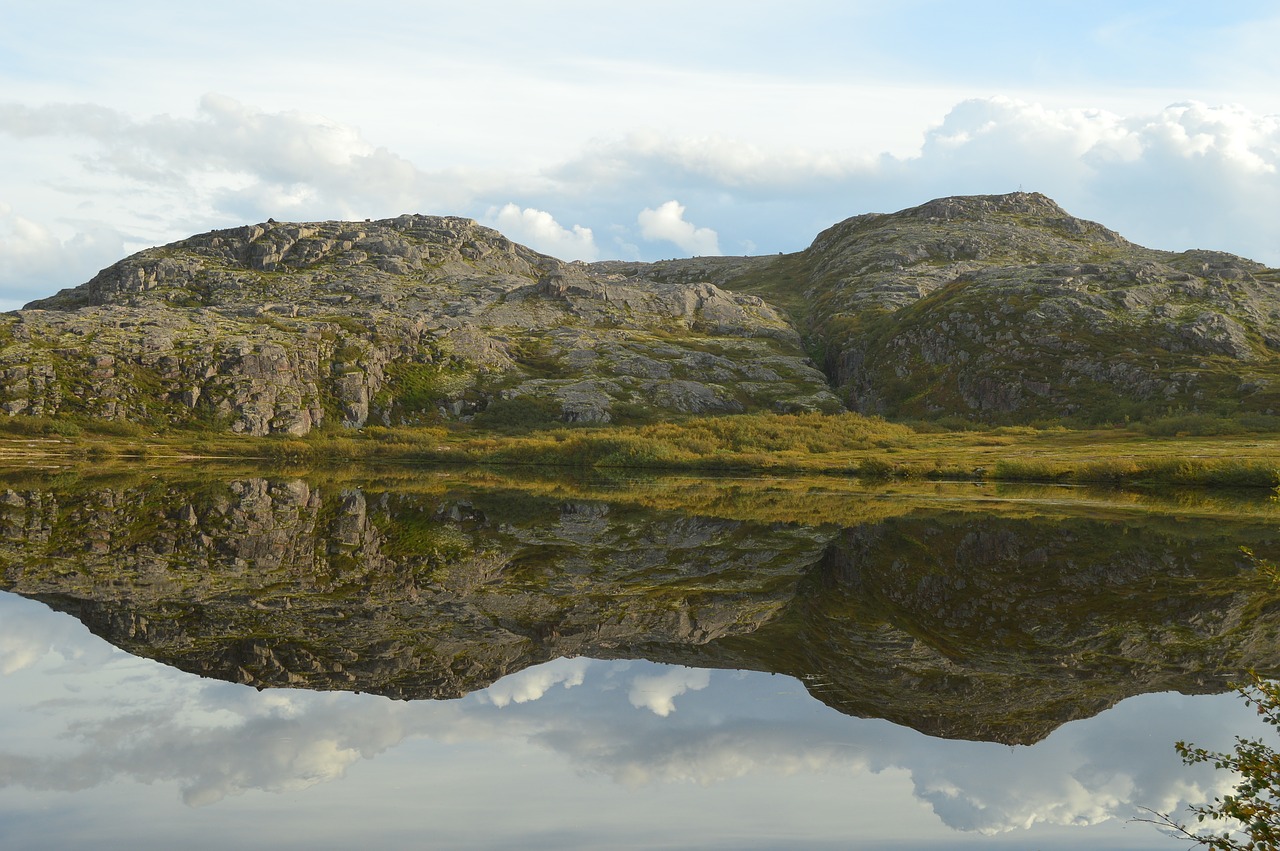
(1252, 813)
(877, 468)
(1196, 425)
(521, 413)
(41, 426)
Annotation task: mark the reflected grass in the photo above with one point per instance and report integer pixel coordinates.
(809, 500)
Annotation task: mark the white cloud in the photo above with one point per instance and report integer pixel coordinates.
(668, 223)
(286, 163)
(728, 163)
(540, 231)
(658, 693)
(1189, 175)
(1078, 143)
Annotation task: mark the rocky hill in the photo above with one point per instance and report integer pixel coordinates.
(283, 327)
(996, 308)
(1006, 308)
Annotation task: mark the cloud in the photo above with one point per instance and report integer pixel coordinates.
(1227, 135)
(540, 231)
(713, 160)
(1187, 175)
(668, 223)
(658, 693)
(241, 160)
(1190, 175)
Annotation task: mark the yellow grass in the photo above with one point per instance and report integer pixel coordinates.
(840, 444)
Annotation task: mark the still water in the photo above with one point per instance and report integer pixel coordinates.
(414, 658)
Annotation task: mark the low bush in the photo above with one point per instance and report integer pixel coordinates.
(523, 413)
(1194, 425)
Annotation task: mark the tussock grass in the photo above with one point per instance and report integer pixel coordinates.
(1189, 472)
(759, 441)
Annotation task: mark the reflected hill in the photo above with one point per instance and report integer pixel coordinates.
(950, 610)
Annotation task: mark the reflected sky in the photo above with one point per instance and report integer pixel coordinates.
(103, 748)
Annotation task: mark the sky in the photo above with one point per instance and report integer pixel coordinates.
(633, 131)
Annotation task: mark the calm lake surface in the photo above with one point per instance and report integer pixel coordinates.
(410, 658)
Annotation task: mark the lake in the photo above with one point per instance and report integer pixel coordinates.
(404, 658)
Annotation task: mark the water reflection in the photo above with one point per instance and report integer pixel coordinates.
(996, 624)
(525, 610)
(640, 724)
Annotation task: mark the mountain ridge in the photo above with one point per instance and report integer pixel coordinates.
(1000, 308)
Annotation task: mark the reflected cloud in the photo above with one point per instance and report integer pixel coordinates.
(1085, 773)
(28, 635)
(257, 749)
(658, 693)
(215, 740)
(533, 683)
